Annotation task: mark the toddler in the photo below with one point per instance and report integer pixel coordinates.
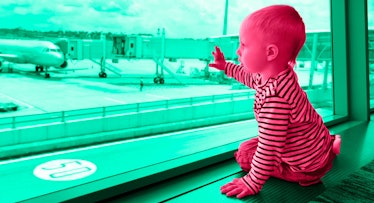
(293, 143)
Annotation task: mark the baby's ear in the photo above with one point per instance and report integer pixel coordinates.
(272, 52)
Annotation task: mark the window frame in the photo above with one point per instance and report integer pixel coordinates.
(350, 51)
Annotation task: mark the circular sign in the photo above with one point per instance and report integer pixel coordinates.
(64, 169)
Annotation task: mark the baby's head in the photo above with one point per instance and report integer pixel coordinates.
(277, 30)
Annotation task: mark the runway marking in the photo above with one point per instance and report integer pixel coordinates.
(153, 95)
(17, 101)
(115, 100)
(118, 143)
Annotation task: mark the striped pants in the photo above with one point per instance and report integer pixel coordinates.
(247, 149)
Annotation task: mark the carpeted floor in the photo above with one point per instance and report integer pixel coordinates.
(357, 187)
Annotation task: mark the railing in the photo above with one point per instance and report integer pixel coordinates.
(70, 115)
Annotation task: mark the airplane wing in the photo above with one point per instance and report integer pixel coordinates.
(9, 57)
(14, 58)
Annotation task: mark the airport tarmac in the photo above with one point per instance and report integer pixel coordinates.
(35, 94)
(84, 89)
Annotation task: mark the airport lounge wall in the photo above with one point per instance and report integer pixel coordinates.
(61, 135)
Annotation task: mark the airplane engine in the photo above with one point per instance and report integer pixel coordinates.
(64, 65)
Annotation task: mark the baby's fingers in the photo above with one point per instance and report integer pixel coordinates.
(219, 53)
(227, 188)
(218, 50)
(213, 65)
(236, 191)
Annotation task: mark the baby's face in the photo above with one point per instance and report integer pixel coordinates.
(252, 50)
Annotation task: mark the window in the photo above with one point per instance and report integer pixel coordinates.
(170, 55)
(167, 49)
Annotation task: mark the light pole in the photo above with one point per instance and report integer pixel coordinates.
(224, 32)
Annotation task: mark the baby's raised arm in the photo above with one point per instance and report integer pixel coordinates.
(231, 69)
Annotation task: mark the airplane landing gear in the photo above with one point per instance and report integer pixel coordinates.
(46, 74)
(159, 79)
(39, 68)
(102, 75)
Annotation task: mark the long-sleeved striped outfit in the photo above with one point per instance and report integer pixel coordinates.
(293, 142)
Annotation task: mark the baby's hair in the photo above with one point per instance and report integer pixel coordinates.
(282, 25)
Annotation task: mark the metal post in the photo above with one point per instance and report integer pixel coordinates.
(63, 117)
(162, 50)
(325, 74)
(103, 38)
(314, 60)
(224, 32)
(14, 122)
(158, 37)
(156, 69)
(206, 70)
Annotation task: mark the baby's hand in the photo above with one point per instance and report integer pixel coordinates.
(237, 187)
(219, 60)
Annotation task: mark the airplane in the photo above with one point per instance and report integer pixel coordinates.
(43, 54)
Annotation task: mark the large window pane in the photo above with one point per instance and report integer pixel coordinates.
(166, 48)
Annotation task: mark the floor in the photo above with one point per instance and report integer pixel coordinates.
(203, 185)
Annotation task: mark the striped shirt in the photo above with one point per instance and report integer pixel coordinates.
(290, 130)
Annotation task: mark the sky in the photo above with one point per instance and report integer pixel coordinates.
(180, 18)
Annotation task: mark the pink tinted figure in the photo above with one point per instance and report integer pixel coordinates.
(293, 143)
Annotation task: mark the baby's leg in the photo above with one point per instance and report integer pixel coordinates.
(311, 178)
(285, 173)
(305, 179)
(315, 177)
(245, 153)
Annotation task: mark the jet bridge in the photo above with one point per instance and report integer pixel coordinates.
(157, 48)
(95, 50)
(317, 49)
